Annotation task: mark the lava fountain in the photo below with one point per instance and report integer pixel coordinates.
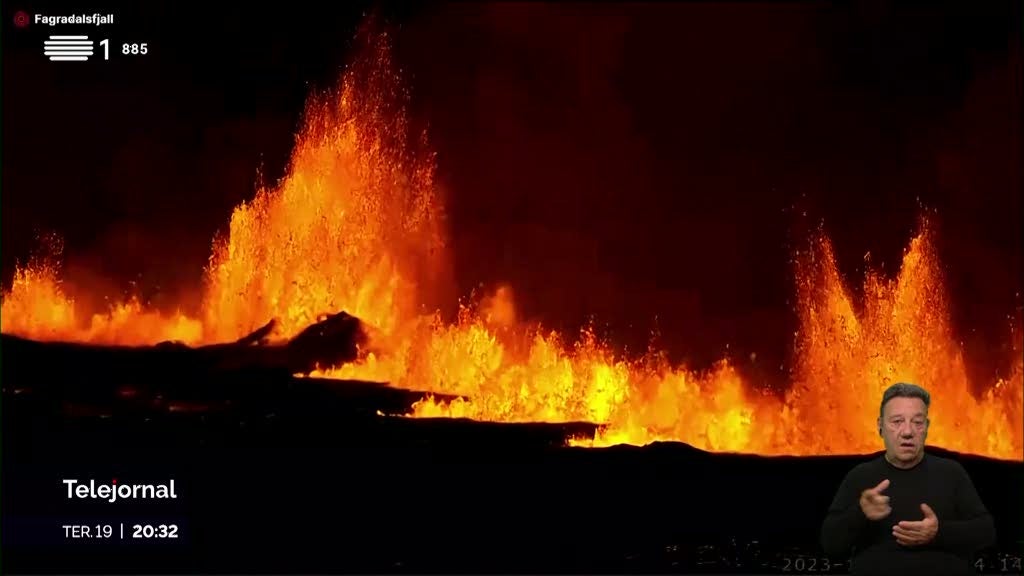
(357, 225)
(845, 356)
(37, 306)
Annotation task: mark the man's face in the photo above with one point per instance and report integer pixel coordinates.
(904, 427)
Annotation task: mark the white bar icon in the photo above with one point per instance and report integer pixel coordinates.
(68, 48)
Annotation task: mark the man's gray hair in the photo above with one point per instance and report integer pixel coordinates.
(904, 390)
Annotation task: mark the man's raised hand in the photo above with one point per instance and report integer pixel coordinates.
(874, 504)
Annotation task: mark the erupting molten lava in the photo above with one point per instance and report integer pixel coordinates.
(37, 307)
(357, 226)
(354, 226)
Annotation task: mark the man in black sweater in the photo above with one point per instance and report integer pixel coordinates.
(907, 512)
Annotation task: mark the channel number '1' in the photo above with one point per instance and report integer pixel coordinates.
(125, 48)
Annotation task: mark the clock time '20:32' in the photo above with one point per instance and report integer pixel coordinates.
(126, 48)
(135, 531)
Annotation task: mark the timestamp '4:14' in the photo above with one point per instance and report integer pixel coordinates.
(128, 48)
(1001, 564)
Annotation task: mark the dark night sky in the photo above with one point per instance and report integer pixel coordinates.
(625, 161)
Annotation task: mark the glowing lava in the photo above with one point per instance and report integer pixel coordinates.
(356, 225)
(845, 357)
(37, 307)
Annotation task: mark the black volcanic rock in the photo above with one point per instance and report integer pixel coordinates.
(98, 373)
(284, 474)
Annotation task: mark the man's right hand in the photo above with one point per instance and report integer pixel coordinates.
(873, 503)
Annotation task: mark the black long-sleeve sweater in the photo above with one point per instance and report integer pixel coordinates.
(965, 525)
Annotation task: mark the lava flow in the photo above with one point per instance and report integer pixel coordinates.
(357, 225)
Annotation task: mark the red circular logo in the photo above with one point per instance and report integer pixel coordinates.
(21, 19)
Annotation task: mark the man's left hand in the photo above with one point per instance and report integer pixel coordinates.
(917, 533)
